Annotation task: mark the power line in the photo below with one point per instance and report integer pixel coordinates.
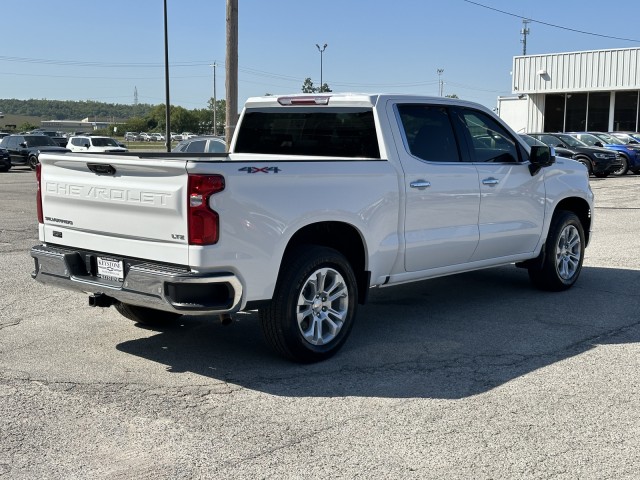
(551, 24)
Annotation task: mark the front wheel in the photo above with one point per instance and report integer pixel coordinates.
(564, 253)
(146, 316)
(313, 307)
(624, 168)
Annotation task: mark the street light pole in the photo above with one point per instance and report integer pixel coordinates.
(321, 50)
(440, 84)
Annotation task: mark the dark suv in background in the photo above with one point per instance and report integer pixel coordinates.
(600, 162)
(24, 149)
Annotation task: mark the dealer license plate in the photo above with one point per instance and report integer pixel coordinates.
(110, 269)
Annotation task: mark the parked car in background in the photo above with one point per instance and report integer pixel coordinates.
(158, 137)
(629, 138)
(187, 135)
(629, 155)
(202, 144)
(94, 144)
(57, 137)
(131, 136)
(146, 137)
(176, 137)
(5, 160)
(599, 161)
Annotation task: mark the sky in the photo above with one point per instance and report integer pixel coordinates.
(105, 51)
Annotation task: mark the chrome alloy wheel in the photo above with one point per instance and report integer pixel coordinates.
(568, 252)
(322, 306)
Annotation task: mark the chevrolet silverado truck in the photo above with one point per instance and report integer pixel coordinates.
(320, 199)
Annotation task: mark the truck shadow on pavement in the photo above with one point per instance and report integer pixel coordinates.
(448, 338)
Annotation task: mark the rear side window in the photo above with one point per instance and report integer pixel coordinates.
(196, 146)
(429, 133)
(324, 132)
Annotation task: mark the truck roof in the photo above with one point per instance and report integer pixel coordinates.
(345, 99)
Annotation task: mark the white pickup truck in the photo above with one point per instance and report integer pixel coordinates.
(321, 198)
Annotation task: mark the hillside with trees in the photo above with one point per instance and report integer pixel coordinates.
(72, 110)
(137, 118)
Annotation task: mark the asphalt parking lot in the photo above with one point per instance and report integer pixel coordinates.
(472, 376)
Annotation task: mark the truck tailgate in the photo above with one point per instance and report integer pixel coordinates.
(140, 210)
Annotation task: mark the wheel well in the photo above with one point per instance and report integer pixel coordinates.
(341, 237)
(581, 209)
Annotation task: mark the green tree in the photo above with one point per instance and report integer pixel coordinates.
(183, 120)
(135, 124)
(307, 87)
(26, 126)
(221, 115)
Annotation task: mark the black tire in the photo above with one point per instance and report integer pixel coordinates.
(587, 163)
(146, 316)
(564, 253)
(624, 168)
(5, 169)
(295, 320)
(602, 175)
(33, 161)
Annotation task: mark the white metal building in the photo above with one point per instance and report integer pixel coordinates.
(593, 90)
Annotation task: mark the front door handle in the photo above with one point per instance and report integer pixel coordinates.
(420, 184)
(490, 181)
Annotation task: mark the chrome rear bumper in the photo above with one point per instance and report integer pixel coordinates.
(146, 284)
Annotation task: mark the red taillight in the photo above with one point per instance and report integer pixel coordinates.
(39, 193)
(203, 222)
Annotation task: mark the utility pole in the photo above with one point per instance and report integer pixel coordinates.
(440, 82)
(232, 69)
(524, 32)
(321, 50)
(215, 105)
(166, 81)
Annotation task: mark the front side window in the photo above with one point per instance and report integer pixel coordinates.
(429, 133)
(216, 147)
(490, 142)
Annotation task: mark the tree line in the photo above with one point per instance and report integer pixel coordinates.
(136, 118)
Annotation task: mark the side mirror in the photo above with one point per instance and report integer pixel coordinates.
(86, 145)
(599, 144)
(540, 157)
(23, 145)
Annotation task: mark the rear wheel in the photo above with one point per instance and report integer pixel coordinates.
(624, 168)
(564, 253)
(146, 316)
(313, 307)
(33, 161)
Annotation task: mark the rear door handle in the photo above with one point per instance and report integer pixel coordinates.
(420, 184)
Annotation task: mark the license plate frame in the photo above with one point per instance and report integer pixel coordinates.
(110, 268)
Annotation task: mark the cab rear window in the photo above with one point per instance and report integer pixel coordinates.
(325, 132)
